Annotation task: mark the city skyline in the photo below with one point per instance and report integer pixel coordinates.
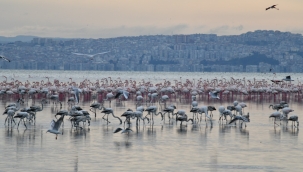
(251, 52)
(106, 19)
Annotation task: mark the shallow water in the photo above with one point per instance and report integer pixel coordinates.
(38, 75)
(163, 146)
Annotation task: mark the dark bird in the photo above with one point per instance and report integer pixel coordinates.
(211, 109)
(183, 118)
(294, 119)
(276, 106)
(4, 58)
(273, 6)
(120, 92)
(287, 78)
(108, 111)
(22, 116)
(244, 118)
(127, 130)
(231, 108)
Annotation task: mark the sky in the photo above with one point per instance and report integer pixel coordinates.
(114, 18)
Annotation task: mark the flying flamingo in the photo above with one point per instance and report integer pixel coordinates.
(273, 6)
(127, 130)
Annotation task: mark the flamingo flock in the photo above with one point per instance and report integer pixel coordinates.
(148, 92)
(148, 97)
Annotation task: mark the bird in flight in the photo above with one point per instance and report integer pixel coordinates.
(273, 6)
(127, 130)
(4, 58)
(214, 95)
(55, 126)
(91, 56)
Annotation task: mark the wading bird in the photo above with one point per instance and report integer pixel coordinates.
(108, 111)
(244, 118)
(276, 115)
(294, 119)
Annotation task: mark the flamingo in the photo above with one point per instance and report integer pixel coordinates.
(108, 111)
(152, 110)
(83, 119)
(10, 116)
(22, 116)
(127, 114)
(211, 109)
(183, 118)
(275, 115)
(122, 92)
(244, 118)
(294, 119)
(276, 107)
(168, 110)
(95, 106)
(273, 6)
(139, 114)
(286, 111)
(204, 109)
(194, 103)
(127, 130)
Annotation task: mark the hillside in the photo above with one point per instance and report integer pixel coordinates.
(254, 59)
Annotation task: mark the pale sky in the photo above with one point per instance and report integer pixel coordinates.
(113, 18)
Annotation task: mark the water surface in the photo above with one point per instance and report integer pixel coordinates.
(164, 146)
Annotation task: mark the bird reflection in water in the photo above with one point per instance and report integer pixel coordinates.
(294, 131)
(151, 130)
(290, 129)
(224, 128)
(195, 127)
(125, 144)
(78, 133)
(21, 137)
(138, 133)
(9, 132)
(182, 130)
(244, 132)
(276, 133)
(55, 109)
(106, 131)
(207, 130)
(76, 164)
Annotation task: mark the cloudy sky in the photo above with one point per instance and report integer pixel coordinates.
(113, 18)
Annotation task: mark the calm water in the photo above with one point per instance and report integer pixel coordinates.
(77, 76)
(159, 147)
